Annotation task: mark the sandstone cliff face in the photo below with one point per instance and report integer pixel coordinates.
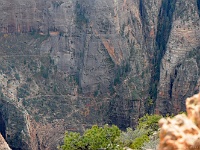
(66, 65)
(179, 71)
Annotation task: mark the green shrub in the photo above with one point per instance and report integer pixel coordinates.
(72, 141)
(152, 144)
(126, 138)
(17, 76)
(93, 139)
(138, 142)
(111, 138)
(44, 72)
(149, 122)
(136, 139)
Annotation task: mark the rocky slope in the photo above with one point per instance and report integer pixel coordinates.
(66, 65)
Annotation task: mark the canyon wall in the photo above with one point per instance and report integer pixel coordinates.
(66, 65)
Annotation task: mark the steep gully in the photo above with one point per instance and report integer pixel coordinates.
(163, 31)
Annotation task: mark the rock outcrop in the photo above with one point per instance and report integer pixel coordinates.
(3, 144)
(182, 132)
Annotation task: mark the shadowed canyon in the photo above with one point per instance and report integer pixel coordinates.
(70, 64)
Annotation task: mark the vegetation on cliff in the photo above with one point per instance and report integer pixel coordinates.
(93, 139)
(111, 138)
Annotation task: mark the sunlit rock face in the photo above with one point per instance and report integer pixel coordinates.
(3, 144)
(182, 132)
(66, 65)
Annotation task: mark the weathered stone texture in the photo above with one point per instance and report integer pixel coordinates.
(3, 144)
(66, 65)
(182, 132)
(177, 68)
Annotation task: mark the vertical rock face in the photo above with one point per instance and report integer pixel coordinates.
(179, 70)
(66, 65)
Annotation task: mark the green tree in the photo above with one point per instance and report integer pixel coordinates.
(139, 142)
(126, 138)
(72, 141)
(149, 122)
(136, 139)
(93, 139)
(111, 138)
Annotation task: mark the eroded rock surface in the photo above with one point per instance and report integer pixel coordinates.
(69, 64)
(179, 69)
(182, 132)
(3, 144)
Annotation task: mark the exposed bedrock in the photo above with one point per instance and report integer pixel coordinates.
(66, 65)
(181, 131)
(179, 68)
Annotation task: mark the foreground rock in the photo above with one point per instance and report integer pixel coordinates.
(3, 144)
(182, 132)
